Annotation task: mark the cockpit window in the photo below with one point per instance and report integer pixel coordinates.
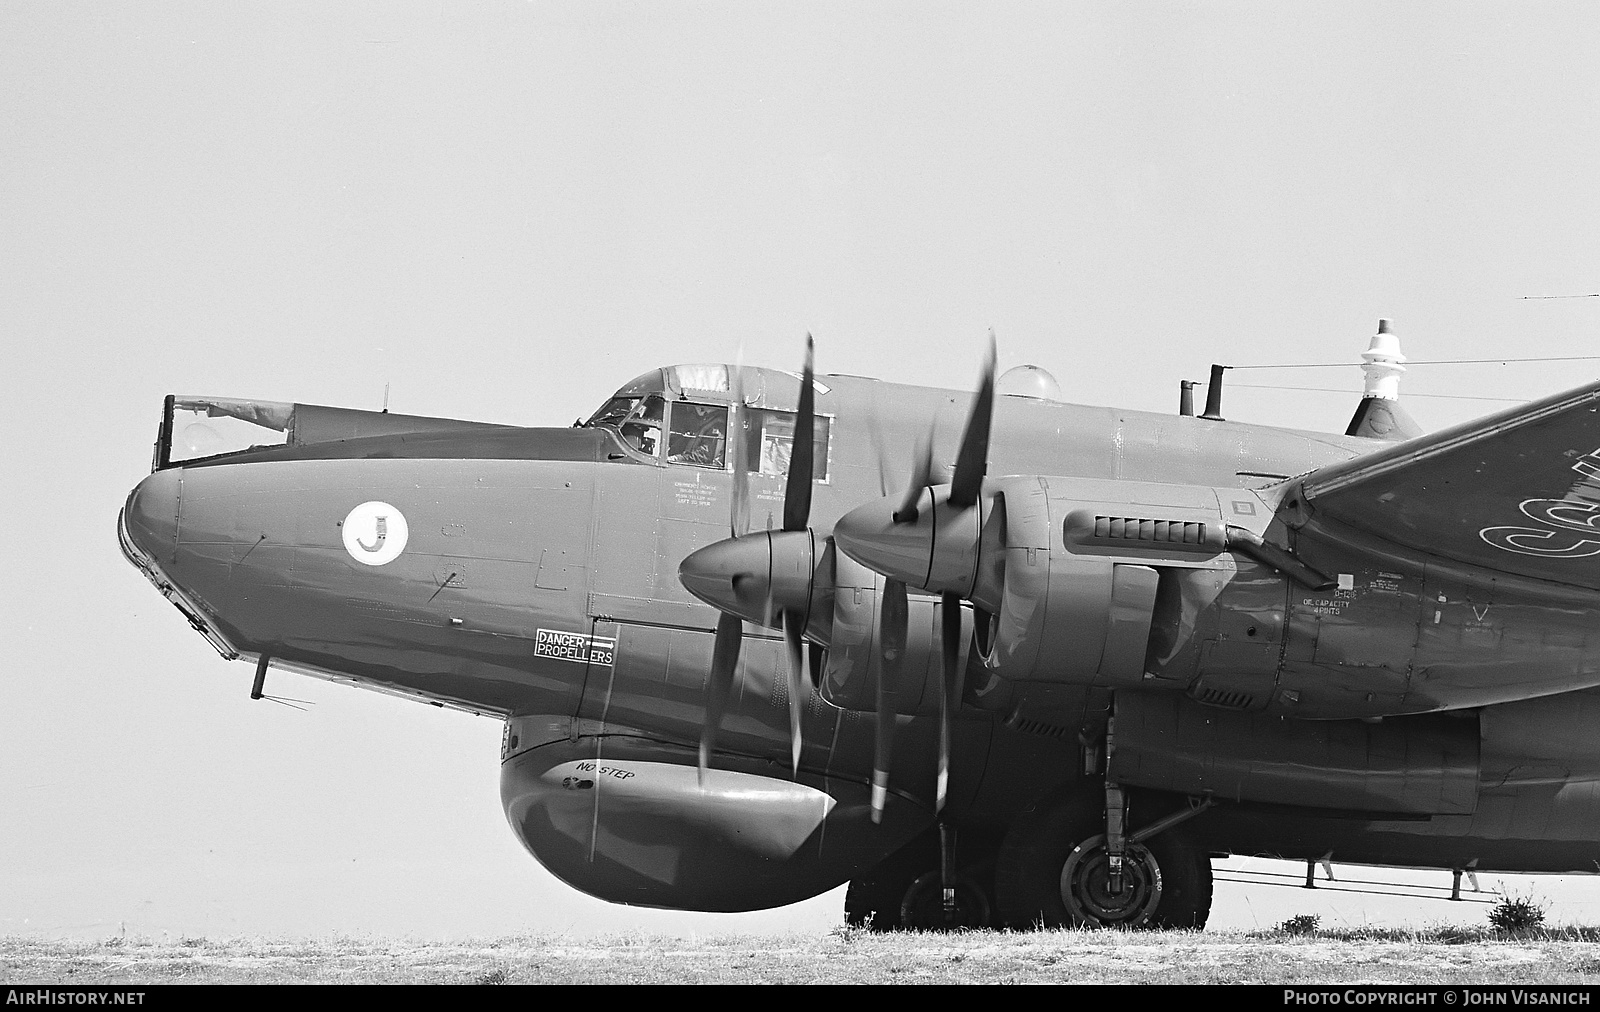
(769, 438)
(636, 419)
(698, 434)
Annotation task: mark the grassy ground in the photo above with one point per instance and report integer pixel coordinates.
(1445, 955)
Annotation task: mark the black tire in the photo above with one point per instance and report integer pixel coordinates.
(878, 899)
(923, 906)
(873, 900)
(1185, 881)
(1028, 875)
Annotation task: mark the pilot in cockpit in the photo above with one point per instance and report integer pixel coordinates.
(698, 434)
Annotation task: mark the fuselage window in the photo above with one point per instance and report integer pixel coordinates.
(770, 439)
(698, 434)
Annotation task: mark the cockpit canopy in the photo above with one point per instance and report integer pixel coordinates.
(206, 428)
(682, 415)
(197, 428)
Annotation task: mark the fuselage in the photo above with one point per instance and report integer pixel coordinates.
(533, 575)
(502, 546)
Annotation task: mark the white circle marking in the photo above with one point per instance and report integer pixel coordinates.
(375, 533)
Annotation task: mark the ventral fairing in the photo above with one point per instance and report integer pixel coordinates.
(757, 633)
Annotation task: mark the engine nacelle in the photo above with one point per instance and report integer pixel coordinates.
(1082, 583)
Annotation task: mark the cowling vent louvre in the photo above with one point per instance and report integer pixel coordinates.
(1230, 699)
(1164, 532)
(1120, 534)
(1038, 727)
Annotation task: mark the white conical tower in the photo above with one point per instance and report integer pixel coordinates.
(1383, 363)
(1379, 415)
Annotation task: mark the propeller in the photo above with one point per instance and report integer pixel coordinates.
(972, 462)
(730, 627)
(768, 577)
(893, 643)
(739, 575)
(921, 478)
(797, 517)
(904, 548)
(724, 661)
(797, 487)
(950, 698)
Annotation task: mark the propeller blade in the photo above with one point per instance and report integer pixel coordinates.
(797, 490)
(950, 698)
(921, 478)
(724, 662)
(739, 520)
(893, 641)
(972, 462)
(792, 629)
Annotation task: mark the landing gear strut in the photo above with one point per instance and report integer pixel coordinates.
(1116, 843)
(961, 902)
(1111, 880)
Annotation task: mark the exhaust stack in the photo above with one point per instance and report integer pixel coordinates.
(1186, 397)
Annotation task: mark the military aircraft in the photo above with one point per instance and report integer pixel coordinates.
(990, 658)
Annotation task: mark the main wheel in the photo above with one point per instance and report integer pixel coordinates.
(874, 899)
(923, 906)
(1054, 853)
(1086, 890)
(903, 891)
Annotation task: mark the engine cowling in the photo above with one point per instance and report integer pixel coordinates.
(1073, 581)
(1082, 576)
(1084, 581)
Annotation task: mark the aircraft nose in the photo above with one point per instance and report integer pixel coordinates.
(151, 514)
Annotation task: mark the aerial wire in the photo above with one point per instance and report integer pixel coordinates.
(1410, 363)
(289, 701)
(1353, 393)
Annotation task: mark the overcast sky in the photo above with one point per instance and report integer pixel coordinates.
(505, 210)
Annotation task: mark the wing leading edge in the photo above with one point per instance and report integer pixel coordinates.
(1516, 492)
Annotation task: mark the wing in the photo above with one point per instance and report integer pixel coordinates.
(1516, 492)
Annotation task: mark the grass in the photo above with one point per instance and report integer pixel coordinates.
(1441, 955)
